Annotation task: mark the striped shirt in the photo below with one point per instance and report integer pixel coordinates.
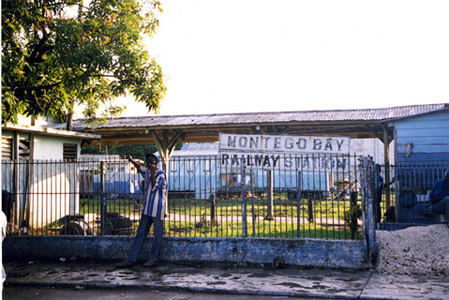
(155, 199)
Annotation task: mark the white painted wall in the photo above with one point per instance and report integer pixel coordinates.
(372, 147)
(51, 147)
(56, 193)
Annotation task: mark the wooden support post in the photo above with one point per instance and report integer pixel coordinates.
(386, 141)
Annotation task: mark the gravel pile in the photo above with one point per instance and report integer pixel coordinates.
(421, 250)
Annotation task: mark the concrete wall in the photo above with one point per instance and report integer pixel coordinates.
(296, 252)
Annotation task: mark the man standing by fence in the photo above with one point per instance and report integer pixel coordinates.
(439, 196)
(153, 212)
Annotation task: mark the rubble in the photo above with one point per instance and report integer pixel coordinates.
(420, 250)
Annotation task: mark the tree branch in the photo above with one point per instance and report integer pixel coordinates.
(20, 90)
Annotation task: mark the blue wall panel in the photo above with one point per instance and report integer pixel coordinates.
(429, 135)
(432, 158)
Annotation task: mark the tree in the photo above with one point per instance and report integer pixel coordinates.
(58, 53)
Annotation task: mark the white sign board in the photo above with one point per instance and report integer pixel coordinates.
(283, 144)
(284, 152)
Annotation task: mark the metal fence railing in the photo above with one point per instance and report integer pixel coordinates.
(404, 199)
(309, 196)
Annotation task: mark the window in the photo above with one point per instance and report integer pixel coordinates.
(70, 151)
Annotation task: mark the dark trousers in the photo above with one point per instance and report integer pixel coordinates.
(442, 207)
(142, 232)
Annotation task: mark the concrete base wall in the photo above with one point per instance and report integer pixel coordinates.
(296, 252)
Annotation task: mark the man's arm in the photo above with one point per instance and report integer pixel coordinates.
(135, 163)
(435, 193)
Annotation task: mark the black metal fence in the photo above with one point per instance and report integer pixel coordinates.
(404, 198)
(308, 196)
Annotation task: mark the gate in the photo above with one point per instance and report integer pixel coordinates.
(303, 196)
(407, 201)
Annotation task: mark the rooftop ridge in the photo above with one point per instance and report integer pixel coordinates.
(442, 105)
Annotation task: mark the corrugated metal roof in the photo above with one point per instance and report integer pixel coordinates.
(375, 114)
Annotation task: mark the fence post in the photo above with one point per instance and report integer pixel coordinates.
(16, 183)
(378, 186)
(387, 187)
(16, 191)
(269, 215)
(103, 203)
(298, 203)
(309, 207)
(367, 175)
(353, 210)
(244, 208)
(212, 208)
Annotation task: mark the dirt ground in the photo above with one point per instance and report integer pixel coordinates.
(420, 250)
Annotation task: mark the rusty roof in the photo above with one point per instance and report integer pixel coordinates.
(357, 123)
(374, 114)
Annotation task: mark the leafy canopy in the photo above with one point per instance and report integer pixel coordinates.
(60, 53)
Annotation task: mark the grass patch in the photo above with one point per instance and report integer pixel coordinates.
(321, 219)
(264, 229)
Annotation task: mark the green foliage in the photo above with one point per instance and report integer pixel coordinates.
(56, 55)
(354, 213)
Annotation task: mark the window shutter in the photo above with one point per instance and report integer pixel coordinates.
(70, 151)
(6, 148)
(24, 149)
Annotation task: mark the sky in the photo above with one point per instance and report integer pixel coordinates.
(285, 55)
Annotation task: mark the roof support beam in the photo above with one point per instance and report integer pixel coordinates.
(378, 134)
(166, 145)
